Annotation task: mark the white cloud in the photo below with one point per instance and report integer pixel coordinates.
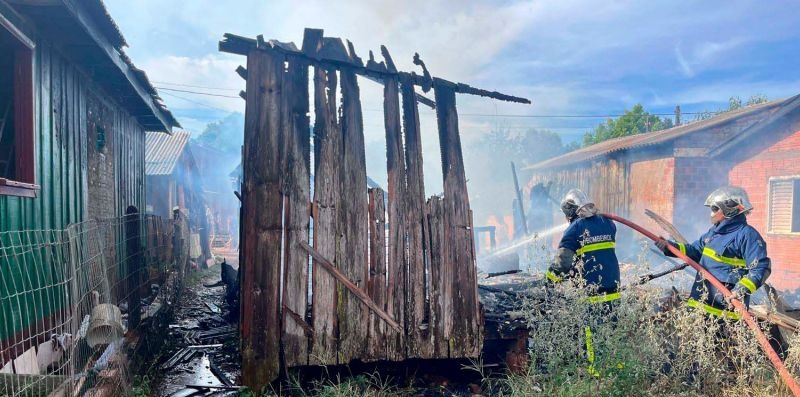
(188, 74)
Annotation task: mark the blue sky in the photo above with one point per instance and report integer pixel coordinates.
(569, 57)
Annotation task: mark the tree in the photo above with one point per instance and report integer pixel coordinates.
(226, 135)
(632, 122)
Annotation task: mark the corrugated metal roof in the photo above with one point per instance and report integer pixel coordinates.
(163, 151)
(651, 138)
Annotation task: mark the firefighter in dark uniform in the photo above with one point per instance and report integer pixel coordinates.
(587, 250)
(731, 250)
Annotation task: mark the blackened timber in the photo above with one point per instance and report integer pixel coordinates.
(327, 57)
(376, 285)
(459, 262)
(327, 152)
(352, 247)
(441, 314)
(296, 218)
(395, 166)
(419, 344)
(326, 264)
(261, 328)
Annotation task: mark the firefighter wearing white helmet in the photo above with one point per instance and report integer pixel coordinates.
(733, 251)
(587, 250)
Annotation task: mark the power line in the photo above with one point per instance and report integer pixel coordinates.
(552, 116)
(195, 86)
(197, 92)
(196, 102)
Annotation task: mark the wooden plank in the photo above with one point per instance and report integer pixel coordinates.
(350, 286)
(351, 253)
(327, 153)
(440, 315)
(261, 248)
(420, 343)
(296, 226)
(398, 261)
(376, 286)
(465, 339)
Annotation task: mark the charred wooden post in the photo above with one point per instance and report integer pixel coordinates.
(376, 285)
(351, 255)
(327, 152)
(459, 269)
(262, 204)
(297, 214)
(440, 313)
(419, 321)
(396, 169)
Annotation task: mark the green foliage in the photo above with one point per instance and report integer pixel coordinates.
(734, 103)
(632, 122)
(226, 135)
(141, 387)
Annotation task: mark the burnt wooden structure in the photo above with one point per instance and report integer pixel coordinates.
(391, 278)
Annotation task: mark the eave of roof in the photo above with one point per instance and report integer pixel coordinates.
(95, 25)
(648, 139)
(163, 151)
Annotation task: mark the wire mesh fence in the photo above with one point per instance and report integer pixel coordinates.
(67, 298)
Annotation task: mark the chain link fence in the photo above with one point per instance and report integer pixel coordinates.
(68, 297)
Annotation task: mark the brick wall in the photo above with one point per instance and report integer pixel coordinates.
(652, 186)
(780, 159)
(102, 198)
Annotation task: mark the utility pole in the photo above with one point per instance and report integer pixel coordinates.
(519, 198)
(677, 115)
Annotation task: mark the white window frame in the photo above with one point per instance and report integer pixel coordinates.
(769, 203)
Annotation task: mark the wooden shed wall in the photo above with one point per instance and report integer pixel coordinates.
(62, 149)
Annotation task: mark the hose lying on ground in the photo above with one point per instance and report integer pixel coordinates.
(746, 316)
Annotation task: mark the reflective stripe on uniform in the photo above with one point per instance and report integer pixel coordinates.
(603, 298)
(751, 286)
(736, 262)
(595, 247)
(713, 310)
(682, 247)
(590, 352)
(552, 277)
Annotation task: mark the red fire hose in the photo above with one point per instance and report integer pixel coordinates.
(751, 322)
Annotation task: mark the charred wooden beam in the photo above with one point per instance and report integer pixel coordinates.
(418, 309)
(396, 171)
(331, 269)
(262, 227)
(352, 242)
(327, 152)
(241, 71)
(378, 343)
(459, 269)
(296, 141)
(332, 54)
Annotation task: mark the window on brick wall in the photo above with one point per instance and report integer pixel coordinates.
(784, 205)
(16, 112)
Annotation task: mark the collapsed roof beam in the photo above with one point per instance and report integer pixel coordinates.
(332, 52)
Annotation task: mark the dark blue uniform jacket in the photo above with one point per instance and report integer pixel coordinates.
(734, 253)
(593, 240)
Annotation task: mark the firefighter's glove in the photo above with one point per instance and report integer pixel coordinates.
(739, 293)
(662, 244)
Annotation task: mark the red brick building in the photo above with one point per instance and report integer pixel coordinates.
(672, 171)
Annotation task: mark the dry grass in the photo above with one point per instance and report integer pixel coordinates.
(648, 351)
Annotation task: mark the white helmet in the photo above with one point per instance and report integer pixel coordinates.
(577, 204)
(731, 200)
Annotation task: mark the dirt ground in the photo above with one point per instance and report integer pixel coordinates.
(202, 343)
